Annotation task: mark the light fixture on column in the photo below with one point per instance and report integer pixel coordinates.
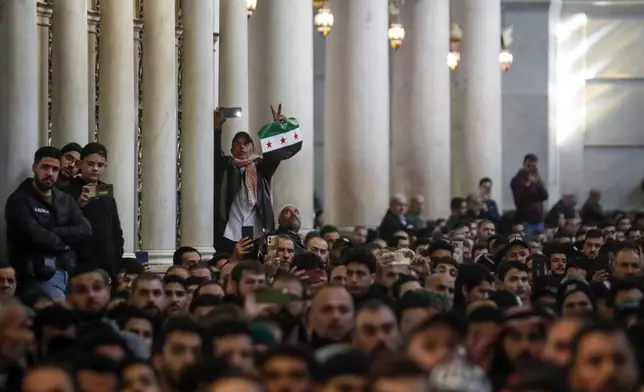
(251, 6)
(455, 38)
(505, 57)
(396, 32)
(324, 21)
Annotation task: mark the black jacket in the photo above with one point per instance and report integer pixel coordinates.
(37, 228)
(105, 248)
(390, 224)
(228, 182)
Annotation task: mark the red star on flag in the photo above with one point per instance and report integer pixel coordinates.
(296, 136)
(269, 145)
(283, 140)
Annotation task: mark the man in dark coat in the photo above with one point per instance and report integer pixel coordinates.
(105, 249)
(394, 219)
(529, 194)
(43, 223)
(243, 187)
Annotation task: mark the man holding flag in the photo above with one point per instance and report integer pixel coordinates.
(243, 204)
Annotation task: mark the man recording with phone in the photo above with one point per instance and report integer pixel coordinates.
(105, 249)
(529, 194)
(244, 207)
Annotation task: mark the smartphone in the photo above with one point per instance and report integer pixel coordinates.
(248, 232)
(269, 295)
(539, 263)
(458, 251)
(400, 259)
(271, 245)
(234, 112)
(313, 276)
(92, 191)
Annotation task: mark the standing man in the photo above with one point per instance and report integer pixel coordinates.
(105, 249)
(490, 208)
(529, 194)
(243, 183)
(69, 164)
(414, 214)
(43, 224)
(394, 219)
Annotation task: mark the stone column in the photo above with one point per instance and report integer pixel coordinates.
(70, 107)
(421, 106)
(284, 74)
(159, 141)
(45, 12)
(18, 98)
(476, 148)
(197, 137)
(356, 114)
(233, 66)
(117, 110)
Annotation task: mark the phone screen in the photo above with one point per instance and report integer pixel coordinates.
(248, 232)
(458, 251)
(235, 112)
(143, 257)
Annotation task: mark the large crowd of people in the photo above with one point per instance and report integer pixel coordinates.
(525, 301)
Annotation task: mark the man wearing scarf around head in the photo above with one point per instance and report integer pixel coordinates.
(243, 180)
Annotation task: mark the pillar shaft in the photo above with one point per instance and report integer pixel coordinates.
(117, 111)
(421, 108)
(356, 114)
(284, 74)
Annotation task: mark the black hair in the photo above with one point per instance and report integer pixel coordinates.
(91, 340)
(326, 229)
(397, 286)
(251, 266)
(594, 233)
(311, 235)
(530, 158)
(196, 281)
(177, 257)
(174, 279)
(97, 363)
(619, 285)
(56, 316)
(605, 224)
(361, 256)
(440, 245)
(446, 260)
(393, 241)
(130, 312)
(469, 276)
(197, 292)
(204, 300)
(300, 353)
(145, 277)
(484, 180)
(230, 328)
(350, 362)
(451, 319)
(131, 266)
(182, 324)
(71, 147)
(47, 152)
(508, 265)
(94, 148)
(372, 305)
(575, 264)
(395, 368)
(199, 376)
(456, 203)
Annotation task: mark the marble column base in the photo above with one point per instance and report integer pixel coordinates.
(160, 260)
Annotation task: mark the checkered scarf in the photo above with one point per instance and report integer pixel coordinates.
(250, 177)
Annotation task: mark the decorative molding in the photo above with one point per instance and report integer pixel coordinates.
(45, 13)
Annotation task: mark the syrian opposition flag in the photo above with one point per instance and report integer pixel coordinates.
(283, 139)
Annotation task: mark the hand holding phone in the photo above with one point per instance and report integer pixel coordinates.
(232, 112)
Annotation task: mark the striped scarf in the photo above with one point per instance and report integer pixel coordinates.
(250, 177)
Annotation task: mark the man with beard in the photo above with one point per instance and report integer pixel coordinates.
(593, 243)
(89, 292)
(627, 261)
(176, 295)
(603, 361)
(575, 299)
(376, 328)
(8, 280)
(180, 344)
(289, 223)
(69, 164)
(42, 224)
(519, 345)
(558, 255)
(148, 294)
(331, 318)
(243, 181)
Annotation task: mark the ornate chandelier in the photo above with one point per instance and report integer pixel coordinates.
(396, 32)
(318, 3)
(324, 21)
(251, 6)
(454, 55)
(505, 57)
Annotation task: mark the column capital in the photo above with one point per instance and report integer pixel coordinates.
(45, 13)
(92, 21)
